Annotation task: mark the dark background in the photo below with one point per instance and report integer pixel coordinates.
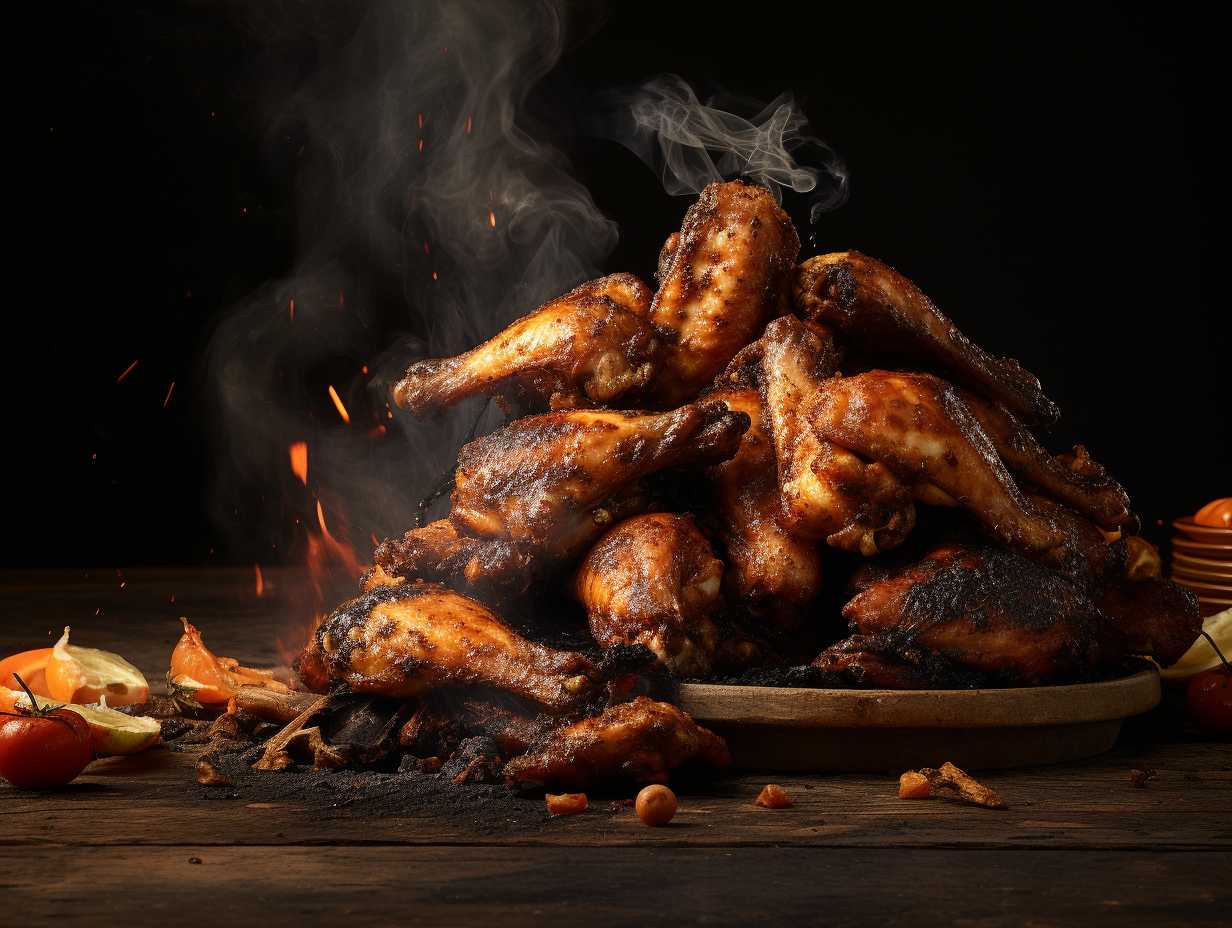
(1045, 176)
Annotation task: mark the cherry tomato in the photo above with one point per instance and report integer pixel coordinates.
(44, 748)
(1209, 700)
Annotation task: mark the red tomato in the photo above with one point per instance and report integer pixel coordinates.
(43, 750)
(1209, 700)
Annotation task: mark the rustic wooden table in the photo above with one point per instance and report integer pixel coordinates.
(129, 841)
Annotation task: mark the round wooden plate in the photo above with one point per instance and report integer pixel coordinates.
(833, 731)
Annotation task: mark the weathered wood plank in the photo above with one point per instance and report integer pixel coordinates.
(613, 886)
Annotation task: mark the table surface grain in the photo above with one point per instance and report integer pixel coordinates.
(1078, 844)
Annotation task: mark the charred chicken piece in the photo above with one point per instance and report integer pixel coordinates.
(642, 740)
(438, 551)
(404, 641)
(1153, 617)
(1088, 489)
(535, 480)
(884, 312)
(769, 570)
(727, 272)
(826, 491)
(588, 347)
(986, 611)
(654, 580)
(919, 427)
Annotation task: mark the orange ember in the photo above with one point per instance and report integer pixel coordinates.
(260, 579)
(492, 219)
(299, 460)
(167, 398)
(342, 410)
(291, 307)
(128, 370)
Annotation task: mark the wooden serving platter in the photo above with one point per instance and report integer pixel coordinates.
(861, 731)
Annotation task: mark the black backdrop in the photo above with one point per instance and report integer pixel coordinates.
(1044, 175)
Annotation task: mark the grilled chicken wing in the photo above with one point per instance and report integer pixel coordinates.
(919, 427)
(438, 551)
(642, 740)
(769, 570)
(986, 611)
(881, 310)
(654, 580)
(590, 346)
(826, 491)
(402, 641)
(720, 279)
(529, 479)
(1088, 489)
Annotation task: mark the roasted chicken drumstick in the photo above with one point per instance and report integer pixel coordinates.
(882, 311)
(642, 740)
(721, 277)
(770, 570)
(654, 580)
(588, 347)
(535, 479)
(402, 641)
(826, 491)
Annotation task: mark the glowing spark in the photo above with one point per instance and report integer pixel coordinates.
(321, 518)
(419, 146)
(492, 219)
(342, 410)
(426, 249)
(167, 398)
(468, 125)
(256, 569)
(341, 300)
(434, 276)
(420, 120)
(364, 369)
(128, 370)
(291, 307)
(299, 460)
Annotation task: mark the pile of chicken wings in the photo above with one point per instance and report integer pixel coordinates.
(720, 467)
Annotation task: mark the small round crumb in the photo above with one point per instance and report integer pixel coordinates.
(772, 796)
(655, 805)
(566, 803)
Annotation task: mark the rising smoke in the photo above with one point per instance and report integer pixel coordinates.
(417, 164)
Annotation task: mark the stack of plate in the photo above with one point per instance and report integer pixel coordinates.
(1202, 562)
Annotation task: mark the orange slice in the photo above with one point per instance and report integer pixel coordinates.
(31, 666)
(85, 675)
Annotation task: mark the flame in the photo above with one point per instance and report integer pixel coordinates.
(167, 398)
(342, 410)
(492, 218)
(128, 370)
(260, 579)
(299, 460)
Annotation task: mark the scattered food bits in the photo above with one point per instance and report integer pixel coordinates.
(1140, 778)
(773, 796)
(655, 805)
(953, 781)
(566, 803)
(209, 775)
(914, 785)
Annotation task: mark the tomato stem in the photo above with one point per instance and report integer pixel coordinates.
(1204, 633)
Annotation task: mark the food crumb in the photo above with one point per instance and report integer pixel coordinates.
(914, 785)
(194, 860)
(1140, 778)
(565, 803)
(773, 796)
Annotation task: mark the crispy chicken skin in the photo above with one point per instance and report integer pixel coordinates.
(769, 570)
(403, 641)
(642, 740)
(919, 427)
(654, 580)
(874, 305)
(1088, 490)
(825, 491)
(721, 277)
(588, 347)
(988, 611)
(530, 478)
